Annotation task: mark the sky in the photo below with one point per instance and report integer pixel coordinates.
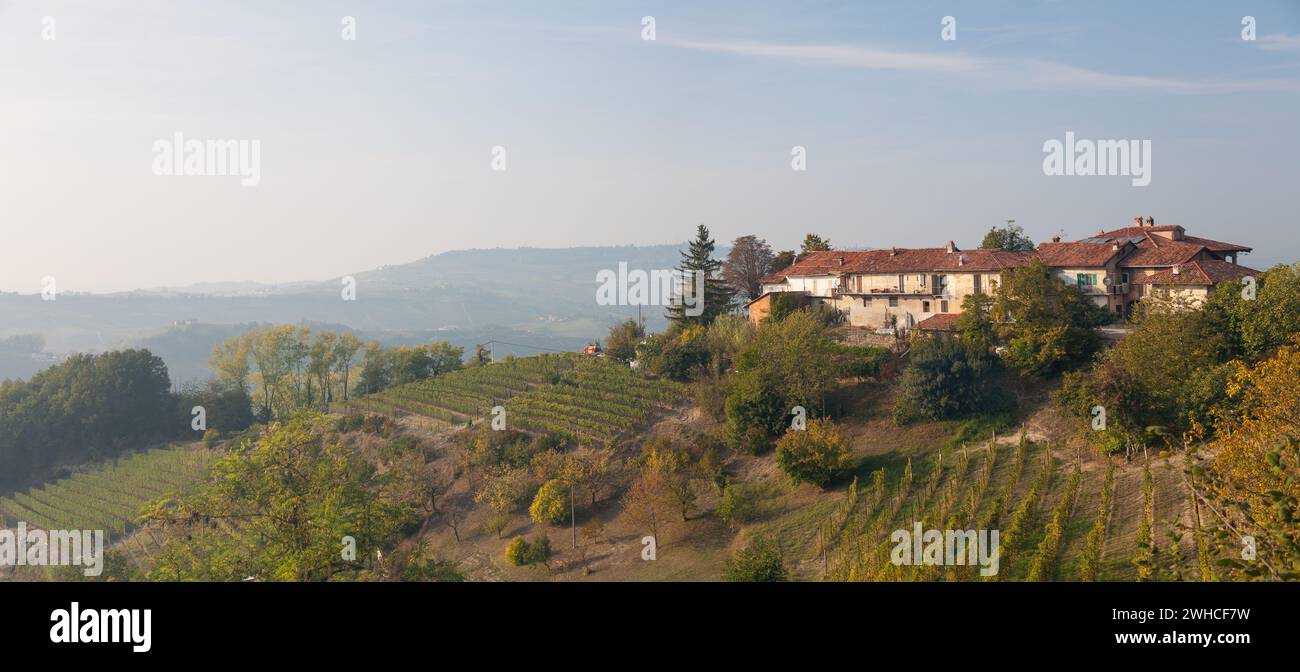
(379, 150)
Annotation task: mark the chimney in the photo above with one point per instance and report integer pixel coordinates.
(1151, 221)
(1056, 239)
(951, 248)
(1114, 247)
(1177, 270)
(1102, 232)
(961, 260)
(841, 260)
(1137, 221)
(893, 251)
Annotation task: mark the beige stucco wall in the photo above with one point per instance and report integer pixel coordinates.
(1195, 295)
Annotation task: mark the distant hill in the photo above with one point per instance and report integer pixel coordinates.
(542, 297)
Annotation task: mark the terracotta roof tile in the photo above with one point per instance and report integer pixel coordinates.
(816, 263)
(1216, 245)
(939, 322)
(1206, 272)
(1161, 252)
(903, 260)
(1076, 253)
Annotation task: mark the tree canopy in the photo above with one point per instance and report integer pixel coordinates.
(1011, 238)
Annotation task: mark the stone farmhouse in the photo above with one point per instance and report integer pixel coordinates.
(923, 288)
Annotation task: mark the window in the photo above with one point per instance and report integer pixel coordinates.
(921, 279)
(978, 277)
(943, 306)
(1123, 278)
(893, 301)
(1086, 279)
(900, 282)
(925, 306)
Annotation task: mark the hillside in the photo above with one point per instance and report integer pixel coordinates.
(856, 529)
(541, 297)
(111, 496)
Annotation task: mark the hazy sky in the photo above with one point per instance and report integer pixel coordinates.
(378, 150)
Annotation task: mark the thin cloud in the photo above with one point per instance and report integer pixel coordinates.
(843, 55)
(1279, 42)
(1022, 74)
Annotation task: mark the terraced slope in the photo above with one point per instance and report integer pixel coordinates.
(1044, 511)
(588, 398)
(109, 498)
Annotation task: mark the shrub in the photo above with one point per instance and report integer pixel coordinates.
(813, 455)
(790, 363)
(517, 552)
(710, 397)
(739, 504)
(623, 339)
(760, 561)
(439, 571)
(859, 361)
(211, 437)
(946, 380)
(520, 553)
(551, 503)
(754, 412)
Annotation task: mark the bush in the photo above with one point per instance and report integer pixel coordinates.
(211, 437)
(517, 552)
(371, 424)
(945, 380)
(520, 553)
(754, 413)
(676, 353)
(760, 561)
(623, 339)
(813, 455)
(789, 364)
(551, 503)
(739, 504)
(1076, 394)
(859, 361)
(710, 397)
(439, 571)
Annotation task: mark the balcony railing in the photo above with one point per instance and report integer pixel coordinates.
(891, 291)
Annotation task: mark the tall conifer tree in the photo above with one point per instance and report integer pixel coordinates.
(718, 294)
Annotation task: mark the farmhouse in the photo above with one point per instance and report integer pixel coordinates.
(923, 288)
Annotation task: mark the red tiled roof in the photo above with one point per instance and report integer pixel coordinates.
(1162, 253)
(901, 260)
(1077, 253)
(815, 263)
(1207, 272)
(1130, 231)
(1147, 231)
(1216, 246)
(939, 322)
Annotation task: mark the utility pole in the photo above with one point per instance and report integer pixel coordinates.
(573, 520)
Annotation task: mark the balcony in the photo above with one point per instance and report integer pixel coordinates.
(891, 291)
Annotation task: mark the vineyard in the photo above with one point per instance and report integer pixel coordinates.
(587, 398)
(1055, 521)
(109, 498)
